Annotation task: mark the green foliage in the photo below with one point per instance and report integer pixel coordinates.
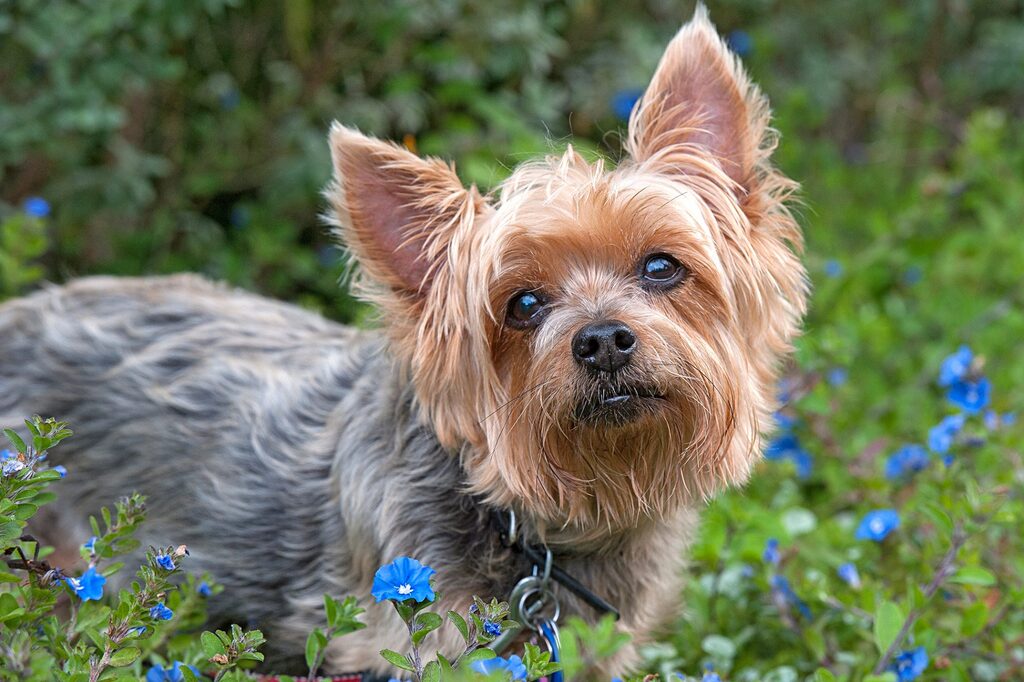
(190, 136)
(99, 634)
(342, 618)
(476, 637)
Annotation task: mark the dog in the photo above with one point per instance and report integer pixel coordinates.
(594, 349)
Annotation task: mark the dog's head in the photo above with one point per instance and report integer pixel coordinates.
(601, 344)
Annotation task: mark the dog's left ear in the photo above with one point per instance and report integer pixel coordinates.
(700, 96)
(398, 213)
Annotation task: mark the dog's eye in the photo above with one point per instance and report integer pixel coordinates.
(661, 270)
(524, 309)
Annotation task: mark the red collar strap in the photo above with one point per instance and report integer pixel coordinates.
(353, 677)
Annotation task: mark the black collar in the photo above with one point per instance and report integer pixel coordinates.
(512, 536)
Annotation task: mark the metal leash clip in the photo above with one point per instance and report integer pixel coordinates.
(531, 603)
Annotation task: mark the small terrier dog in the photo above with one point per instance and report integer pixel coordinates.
(593, 349)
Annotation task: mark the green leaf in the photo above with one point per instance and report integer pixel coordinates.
(889, 619)
(331, 610)
(425, 623)
(815, 641)
(315, 643)
(9, 532)
(823, 675)
(396, 659)
(538, 663)
(211, 644)
(446, 665)
(721, 647)
(973, 575)
(15, 439)
(126, 656)
(939, 517)
(8, 604)
(975, 617)
(460, 624)
(23, 512)
(884, 677)
(481, 654)
(798, 521)
(432, 672)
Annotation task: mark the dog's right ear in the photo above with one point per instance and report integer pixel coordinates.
(398, 214)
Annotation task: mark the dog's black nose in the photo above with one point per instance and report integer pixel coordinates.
(604, 346)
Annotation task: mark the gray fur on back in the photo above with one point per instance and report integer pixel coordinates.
(283, 449)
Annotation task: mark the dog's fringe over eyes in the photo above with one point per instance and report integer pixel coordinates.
(696, 183)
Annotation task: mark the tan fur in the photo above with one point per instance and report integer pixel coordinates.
(697, 184)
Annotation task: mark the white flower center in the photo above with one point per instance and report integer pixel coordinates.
(877, 525)
(405, 589)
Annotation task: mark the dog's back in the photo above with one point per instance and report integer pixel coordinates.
(226, 409)
(285, 450)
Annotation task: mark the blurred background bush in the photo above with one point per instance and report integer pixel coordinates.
(150, 136)
(190, 134)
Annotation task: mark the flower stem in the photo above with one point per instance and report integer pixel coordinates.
(96, 669)
(942, 572)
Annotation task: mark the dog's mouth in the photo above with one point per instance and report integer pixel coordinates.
(618, 405)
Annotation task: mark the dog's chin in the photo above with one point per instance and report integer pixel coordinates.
(618, 406)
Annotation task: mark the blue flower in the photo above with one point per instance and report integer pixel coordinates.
(771, 552)
(138, 630)
(912, 275)
(876, 525)
(623, 102)
(204, 589)
(970, 396)
(954, 368)
(229, 99)
(37, 207)
(165, 562)
(711, 677)
(940, 436)
(849, 574)
(161, 612)
(837, 376)
(991, 420)
(833, 268)
(513, 664)
(492, 628)
(12, 463)
(402, 579)
(60, 469)
(910, 664)
(170, 674)
(90, 545)
(740, 42)
(89, 586)
(785, 594)
(787, 446)
(909, 459)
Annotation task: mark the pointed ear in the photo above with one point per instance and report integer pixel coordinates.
(700, 96)
(396, 211)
